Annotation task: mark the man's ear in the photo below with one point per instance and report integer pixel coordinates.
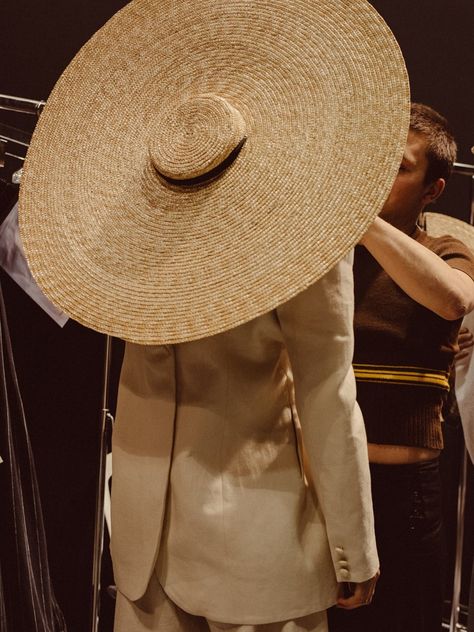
(433, 191)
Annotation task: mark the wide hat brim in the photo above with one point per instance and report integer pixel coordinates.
(439, 225)
(322, 91)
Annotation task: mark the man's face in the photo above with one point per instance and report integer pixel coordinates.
(409, 193)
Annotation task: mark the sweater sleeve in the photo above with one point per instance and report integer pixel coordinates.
(453, 251)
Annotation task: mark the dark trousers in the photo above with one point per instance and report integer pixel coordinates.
(470, 625)
(408, 598)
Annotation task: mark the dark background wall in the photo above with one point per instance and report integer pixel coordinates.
(60, 371)
(436, 37)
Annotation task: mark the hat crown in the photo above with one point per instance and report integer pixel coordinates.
(194, 137)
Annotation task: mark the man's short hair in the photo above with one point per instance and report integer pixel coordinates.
(441, 148)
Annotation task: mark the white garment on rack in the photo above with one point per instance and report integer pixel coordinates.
(465, 390)
(13, 261)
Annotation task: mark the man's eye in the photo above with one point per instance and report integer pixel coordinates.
(402, 168)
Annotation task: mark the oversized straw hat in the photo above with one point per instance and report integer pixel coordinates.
(438, 225)
(202, 161)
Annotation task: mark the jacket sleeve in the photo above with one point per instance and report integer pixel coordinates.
(317, 326)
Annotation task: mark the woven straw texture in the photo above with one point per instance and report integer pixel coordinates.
(438, 225)
(168, 89)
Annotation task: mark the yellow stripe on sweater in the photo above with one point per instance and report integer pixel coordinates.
(402, 375)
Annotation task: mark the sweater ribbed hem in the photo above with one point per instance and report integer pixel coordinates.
(402, 415)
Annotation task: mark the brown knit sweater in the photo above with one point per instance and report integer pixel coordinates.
(403, 351)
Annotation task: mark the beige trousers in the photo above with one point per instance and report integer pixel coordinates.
(155, 612)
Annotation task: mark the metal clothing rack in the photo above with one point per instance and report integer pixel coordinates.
(12, 135)
(9, 134)
(18, 137)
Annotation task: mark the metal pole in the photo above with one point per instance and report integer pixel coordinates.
(19, 104)
(15, 135)
(454, 626)
(99, 507)
(453, 623)
(463, 169)
(472, 201)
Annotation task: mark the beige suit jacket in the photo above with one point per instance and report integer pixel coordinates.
(208, 485)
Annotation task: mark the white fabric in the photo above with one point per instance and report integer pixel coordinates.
(13, 261)
(465, 390)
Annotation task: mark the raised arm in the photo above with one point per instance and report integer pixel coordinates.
(424, 276)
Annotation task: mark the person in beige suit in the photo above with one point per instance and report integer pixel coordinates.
(244, 541)
(224, 143)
